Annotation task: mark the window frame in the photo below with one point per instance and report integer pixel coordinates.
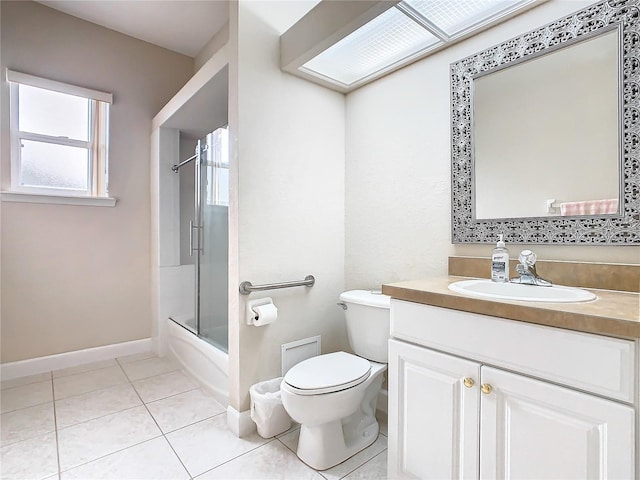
(97, 144)
(217, 159)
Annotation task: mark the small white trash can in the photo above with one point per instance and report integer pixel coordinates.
(267, 410)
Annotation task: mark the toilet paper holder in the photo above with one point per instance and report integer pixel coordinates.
(253, 316)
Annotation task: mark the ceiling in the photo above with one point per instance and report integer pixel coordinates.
(184, 26)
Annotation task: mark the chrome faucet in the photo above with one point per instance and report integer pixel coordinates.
(527, 270)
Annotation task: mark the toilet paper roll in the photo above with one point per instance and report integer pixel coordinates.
(265, 314)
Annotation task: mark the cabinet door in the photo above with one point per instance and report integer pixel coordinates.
(531, 429)
(433, 416)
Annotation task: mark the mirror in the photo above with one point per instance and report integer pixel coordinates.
(545, 134)
(550, 97)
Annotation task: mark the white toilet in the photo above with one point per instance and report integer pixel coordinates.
(333, 396)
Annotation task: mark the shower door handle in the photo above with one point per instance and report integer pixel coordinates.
(191, 238)
(198, 247)
(191, 248)
(201, 239)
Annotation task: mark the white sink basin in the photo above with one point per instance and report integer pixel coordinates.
(514, 291)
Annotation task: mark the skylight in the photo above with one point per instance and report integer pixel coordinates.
(385, 40)
(405, 32)
(454, 17)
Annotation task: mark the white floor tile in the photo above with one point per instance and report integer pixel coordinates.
(151, 460)
(85, 382)
(96, 438)
(32, 459)
(16, 382)
(104, 431)
(272, 461)
(291, 441)
(135, 357)
(25, 396)
(349, 465)
(80, 408)
(85, 367)
(221, 444)
(26, 423)
(374, 469)
(162, 386)
(149, 367)
(290, 438)
(184, 409)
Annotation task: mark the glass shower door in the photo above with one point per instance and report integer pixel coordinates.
(204, 238)
(212, 271)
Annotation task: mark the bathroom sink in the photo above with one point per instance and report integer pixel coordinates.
(513, 291)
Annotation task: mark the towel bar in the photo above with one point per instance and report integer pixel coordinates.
(247, 287)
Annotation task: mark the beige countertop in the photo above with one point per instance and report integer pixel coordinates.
(613, 313)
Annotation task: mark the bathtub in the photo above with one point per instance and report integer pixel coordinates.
(206, 363)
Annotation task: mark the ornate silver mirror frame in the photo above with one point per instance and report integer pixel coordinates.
(618, 229)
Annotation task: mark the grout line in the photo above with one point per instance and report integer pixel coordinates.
(179, 393)
(95, 389)
(55, 423)
(150, 376)
(384, 452)
(130, 446)
(84, 371)
(110, 453)
(128, 382)
(287, 447)
(241, 455)
(91, 391)
(151, 355)
(162, 433)
(101, 416)
(159, 428)
(177, 456)
(24, 384)
(190, 424)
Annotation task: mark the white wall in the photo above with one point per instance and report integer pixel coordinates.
(75, 277)
(398, 218)
(290, 156)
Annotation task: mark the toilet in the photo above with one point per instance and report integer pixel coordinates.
(333, 396)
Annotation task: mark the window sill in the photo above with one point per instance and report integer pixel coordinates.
(23, 197)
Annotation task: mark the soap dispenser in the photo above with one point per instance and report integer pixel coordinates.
(500, 262)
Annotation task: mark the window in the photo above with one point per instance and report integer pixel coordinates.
(59, 137)
(217, 164)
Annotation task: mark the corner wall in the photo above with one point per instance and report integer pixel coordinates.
(398, 155)
(290, 156)
(75, 277)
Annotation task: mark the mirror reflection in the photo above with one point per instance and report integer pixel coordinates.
(546, 134)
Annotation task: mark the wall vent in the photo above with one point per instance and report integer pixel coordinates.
(295, 352)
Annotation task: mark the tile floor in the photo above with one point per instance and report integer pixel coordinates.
(141, 417)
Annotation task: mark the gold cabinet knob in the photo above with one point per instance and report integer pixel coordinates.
(468, 382)
(486, 388)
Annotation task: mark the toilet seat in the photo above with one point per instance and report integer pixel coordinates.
(327, 373)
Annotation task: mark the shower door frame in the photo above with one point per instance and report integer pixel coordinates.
(199, 228)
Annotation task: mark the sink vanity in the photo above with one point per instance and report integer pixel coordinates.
(515, 381)
(499, 388)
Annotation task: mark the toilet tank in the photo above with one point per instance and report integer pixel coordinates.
(367, 317)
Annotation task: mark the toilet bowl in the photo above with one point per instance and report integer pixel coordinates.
(334, 396)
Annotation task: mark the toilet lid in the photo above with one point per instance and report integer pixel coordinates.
(328, 373)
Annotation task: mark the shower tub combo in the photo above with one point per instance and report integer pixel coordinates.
(197, 329)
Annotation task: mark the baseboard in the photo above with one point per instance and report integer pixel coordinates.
(33, 366)
(240, 423)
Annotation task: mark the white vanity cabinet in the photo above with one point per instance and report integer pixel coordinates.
(472, 396)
